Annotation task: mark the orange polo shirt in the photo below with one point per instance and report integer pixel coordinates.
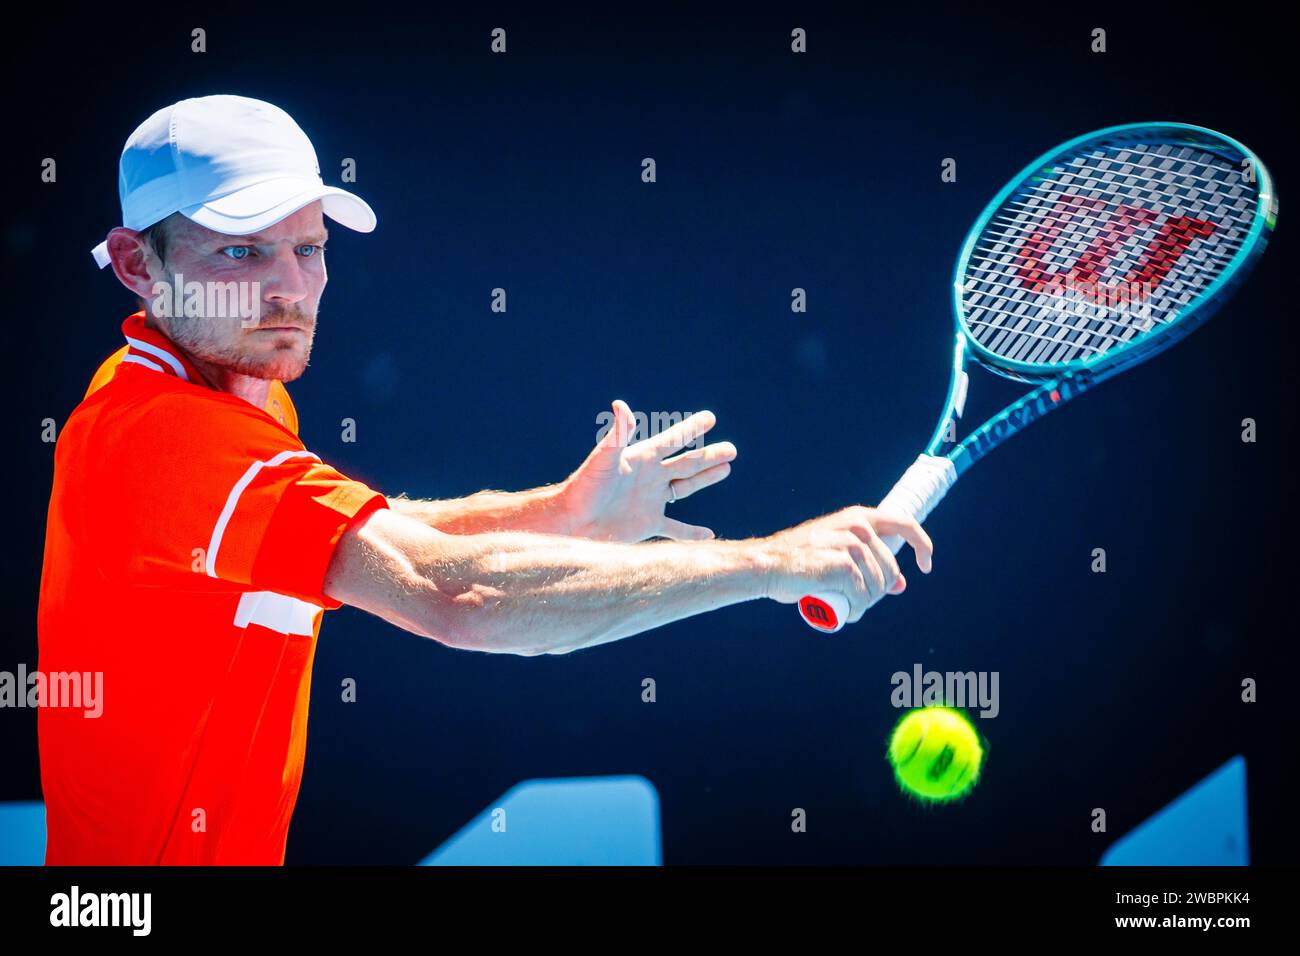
(186, 546)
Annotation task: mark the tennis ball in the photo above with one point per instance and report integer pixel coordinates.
(936, 754)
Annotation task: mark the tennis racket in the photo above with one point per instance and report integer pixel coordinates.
(1097, 256)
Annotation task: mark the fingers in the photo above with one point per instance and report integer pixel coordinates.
(861, 523)
(700, 459)
(680, 435)
(620, 433)
(894, 580)
(681, 531)
(869, 581)
(685, 487)
(910, 530)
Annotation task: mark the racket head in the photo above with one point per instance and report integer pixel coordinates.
(1108, 249)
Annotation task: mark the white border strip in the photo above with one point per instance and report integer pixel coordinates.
(158, 353)
(233, 499)
(277, 612)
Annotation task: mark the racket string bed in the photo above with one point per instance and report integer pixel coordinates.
(1098, 327)
(1178, 292)
(1114, 227)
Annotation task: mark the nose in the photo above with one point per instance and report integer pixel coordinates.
(285, 281)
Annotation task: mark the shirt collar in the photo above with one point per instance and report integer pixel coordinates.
(153, 350)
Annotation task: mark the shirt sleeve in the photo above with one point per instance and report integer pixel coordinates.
(214, 487)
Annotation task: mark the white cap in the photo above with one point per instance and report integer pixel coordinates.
(232, 164)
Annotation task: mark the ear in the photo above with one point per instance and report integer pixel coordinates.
(134, 262)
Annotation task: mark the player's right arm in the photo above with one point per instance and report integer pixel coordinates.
(522, 593)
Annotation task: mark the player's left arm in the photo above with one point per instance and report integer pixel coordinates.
(542, 510)
(617, 494)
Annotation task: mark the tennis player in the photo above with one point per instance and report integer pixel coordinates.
(193, 542)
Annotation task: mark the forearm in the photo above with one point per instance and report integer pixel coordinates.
(554, 595)
(540, 510)
(521, 593)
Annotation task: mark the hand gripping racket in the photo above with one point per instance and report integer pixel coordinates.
(1100, 254)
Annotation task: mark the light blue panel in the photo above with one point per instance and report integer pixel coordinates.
(22, 834)
(1206, 826)
(580, 821)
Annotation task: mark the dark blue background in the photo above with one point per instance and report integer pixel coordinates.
(775, 171)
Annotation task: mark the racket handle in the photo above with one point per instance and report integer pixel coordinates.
(916, 494)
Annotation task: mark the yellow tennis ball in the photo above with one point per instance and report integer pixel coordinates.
(936, 754)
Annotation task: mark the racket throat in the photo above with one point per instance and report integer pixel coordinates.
(946, 434)
(1019, 415)
(959, 394)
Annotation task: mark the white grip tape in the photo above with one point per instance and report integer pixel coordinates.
(915, 495)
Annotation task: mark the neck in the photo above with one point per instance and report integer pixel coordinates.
(252, 390)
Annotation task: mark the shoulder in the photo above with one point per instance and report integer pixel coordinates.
(147, 417)
(107, 369)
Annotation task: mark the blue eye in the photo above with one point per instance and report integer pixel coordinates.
(237, 252)
(308, 251)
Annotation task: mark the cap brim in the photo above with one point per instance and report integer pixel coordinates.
(257, 207)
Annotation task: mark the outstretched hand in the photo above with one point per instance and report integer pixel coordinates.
(619, 492)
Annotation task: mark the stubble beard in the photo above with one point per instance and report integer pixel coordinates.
(202, 338)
